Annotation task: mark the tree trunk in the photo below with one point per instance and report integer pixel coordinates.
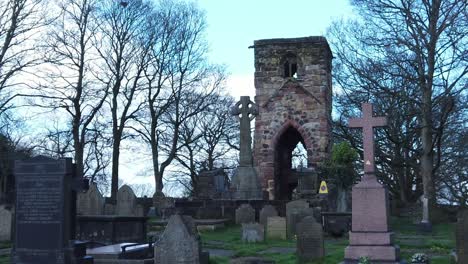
(115, 168)
(427, 151)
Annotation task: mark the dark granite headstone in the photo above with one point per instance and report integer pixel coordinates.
(42, 211)
(309, 240)
(461, 236)
(267, 211)
(245, 214)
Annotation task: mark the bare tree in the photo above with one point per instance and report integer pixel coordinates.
(124, 48)
(410, 59)
(179, 80)
(20, 24)
(69, 83)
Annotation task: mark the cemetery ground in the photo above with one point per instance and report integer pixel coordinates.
(438, 244)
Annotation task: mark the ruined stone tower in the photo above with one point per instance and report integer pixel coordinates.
(294, 96)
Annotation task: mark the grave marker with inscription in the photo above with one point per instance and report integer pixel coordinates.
(309, 240)
(370, 235)
(245, 214)
(276, 227)
(292, 210)
(42, 211)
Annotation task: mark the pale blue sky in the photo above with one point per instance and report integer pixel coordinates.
(233, 25)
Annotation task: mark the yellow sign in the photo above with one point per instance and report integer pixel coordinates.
(323, 188)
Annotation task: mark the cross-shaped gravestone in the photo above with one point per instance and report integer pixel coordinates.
(367, 123)
(246, 110)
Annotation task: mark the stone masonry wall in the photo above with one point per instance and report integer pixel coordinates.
(302, 102)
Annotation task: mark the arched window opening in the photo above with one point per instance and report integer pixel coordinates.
(290, 66)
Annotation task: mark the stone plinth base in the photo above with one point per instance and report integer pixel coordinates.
(248, 184)
(377, 254)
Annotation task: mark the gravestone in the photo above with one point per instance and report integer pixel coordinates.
(5, 223)
(292, 209)
(212, 184)
(309, 240)
(267, 211)
(245, 214)
(276, 227)
(109, 209)
(43, 211)
(253, 233)
(248, 184)
(180, 242)
(90, 202)
(307, 184)
(461, 236)
(425, 224)
(370, 234)
(126, 202)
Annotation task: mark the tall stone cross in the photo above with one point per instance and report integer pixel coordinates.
(367, 123)
(246, 110)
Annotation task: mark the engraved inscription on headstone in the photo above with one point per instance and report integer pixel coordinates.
(276, 227)
(42, 211)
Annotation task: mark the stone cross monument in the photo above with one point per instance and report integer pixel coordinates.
(248, 186)
(370, 235)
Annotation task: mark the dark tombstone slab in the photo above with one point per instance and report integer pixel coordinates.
(336, 224)
(212, 184)
(253, 233)
(245, 214)
(180, 242)
(461, 236)
(43, 211)
(309, 240)
(267, 211)
(292, 213)
(112, 229)
(307, 182)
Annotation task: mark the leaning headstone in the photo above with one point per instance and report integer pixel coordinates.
(90, 202)
(43, 211)
(180, 242)
(5, 223)
(276, 227)
(126, 202)
(292, 210)
(245, 214)
(267, 211)
(253, 233)
(309, 240)
(461, 236)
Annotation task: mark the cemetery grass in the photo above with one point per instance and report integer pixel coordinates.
(438, 245)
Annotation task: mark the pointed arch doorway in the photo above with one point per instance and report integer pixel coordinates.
(286, 159)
